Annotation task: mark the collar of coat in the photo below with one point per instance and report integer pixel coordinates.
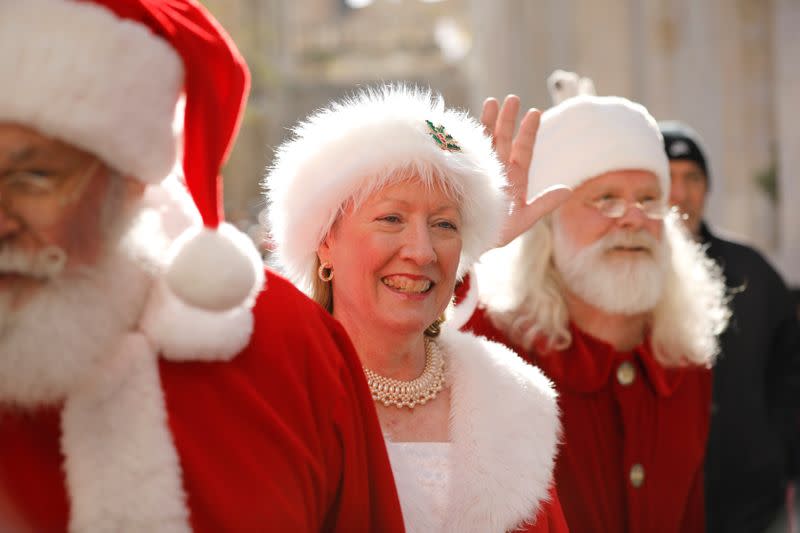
(504, 430)
(121, 467)
(587, 365)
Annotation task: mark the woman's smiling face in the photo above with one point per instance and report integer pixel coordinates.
(395, 257)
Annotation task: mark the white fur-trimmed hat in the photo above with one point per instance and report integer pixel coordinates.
(111, 77)
(584, 135)
(361, 143)
(71, 81)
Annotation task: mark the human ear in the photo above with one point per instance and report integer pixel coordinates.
(325, 248)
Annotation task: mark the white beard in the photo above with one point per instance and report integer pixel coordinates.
(67, 327)
(617, 285)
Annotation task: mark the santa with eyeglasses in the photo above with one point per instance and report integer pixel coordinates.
(619, 308)
(153, 377)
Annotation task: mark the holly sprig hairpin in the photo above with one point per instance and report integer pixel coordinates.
(442, 138)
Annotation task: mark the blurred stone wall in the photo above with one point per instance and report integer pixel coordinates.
(727, 67)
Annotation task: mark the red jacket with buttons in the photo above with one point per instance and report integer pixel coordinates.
(634, 435)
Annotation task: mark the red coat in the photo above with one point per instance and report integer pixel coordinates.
(284, 437)
(634, 435)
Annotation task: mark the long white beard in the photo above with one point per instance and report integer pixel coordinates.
(618, 285)
(66, 328)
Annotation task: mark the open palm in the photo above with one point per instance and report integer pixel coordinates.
(515, 152)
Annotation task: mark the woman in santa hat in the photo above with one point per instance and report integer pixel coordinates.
(379, 203)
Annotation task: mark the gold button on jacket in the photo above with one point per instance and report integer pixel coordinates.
(626, 373)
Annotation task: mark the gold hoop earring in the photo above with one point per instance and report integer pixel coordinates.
(325, 272)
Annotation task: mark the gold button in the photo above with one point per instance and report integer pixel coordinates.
(637, 475)
(626, 373)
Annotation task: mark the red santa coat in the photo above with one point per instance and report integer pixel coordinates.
(634, 435)
(281, 437)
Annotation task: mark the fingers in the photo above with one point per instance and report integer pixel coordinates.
(523, 216)
(548, 200)
(504, 127)
(522, 147)
(544, 203)
(491, 108)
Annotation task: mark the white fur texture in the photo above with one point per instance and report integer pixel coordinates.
(587, 135)
(122, 469)
(504, 430)
(67, 326)
(184, 333)
(108, 101)
(215, 269)
(360, 144)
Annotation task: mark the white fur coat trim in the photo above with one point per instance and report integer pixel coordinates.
(504, 430)
(122, 470)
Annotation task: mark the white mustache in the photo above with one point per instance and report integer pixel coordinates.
(640, 239)
(44, 264)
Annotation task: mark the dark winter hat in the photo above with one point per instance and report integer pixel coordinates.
(683, 143)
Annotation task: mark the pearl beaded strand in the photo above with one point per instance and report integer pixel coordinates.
(419, 391)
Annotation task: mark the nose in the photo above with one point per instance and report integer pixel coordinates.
(633, 219)
(9, 223)
(418, 244)
(677, 191)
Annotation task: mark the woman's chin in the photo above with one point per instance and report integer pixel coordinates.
(410, 325)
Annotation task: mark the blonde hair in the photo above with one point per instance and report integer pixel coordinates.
(523, 292)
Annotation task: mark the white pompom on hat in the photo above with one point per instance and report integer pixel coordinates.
(584, 135)
(108, 76)
(363, 143)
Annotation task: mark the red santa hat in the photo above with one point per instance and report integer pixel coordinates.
(360, 144)
(583, 136)
(137, 82)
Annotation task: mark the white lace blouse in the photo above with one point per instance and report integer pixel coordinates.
(428, 466)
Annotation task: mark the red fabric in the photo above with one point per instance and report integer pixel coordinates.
(283, 438)
(216, 84)
(30, 472)
(550, 518)
(659, 421)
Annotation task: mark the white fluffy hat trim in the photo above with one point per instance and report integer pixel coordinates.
(585, 136)
(360, 144)
(108, 101)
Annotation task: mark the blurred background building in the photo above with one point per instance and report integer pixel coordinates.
(727, 67)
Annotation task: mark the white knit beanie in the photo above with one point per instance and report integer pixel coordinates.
(585, 135)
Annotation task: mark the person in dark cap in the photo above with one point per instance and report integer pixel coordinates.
(756, 389)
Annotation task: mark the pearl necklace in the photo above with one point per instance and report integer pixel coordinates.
(418, 391)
